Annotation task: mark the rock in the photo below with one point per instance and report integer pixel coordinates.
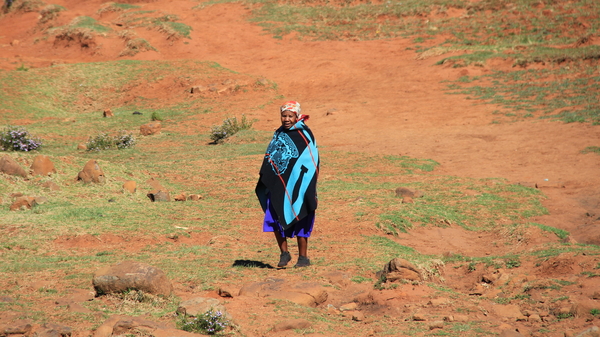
(304, 293)
(108, 113)
(106, 329)
(125, 325)
(194, 197)
(349, 306)
(582, 308)
(159, 195)
(129, 326)
(439, 302)
(150, 128)
(534, 318)
(419, 317)
(53, 330)
(14, 43)
(400, 269)
(23, 203)
(131, 275)
(357, 316)
(81, 146)
(436, 325)
(42, 165)
(51, 185)
(200, 305)
(9, 166)
(508, 311)
(130, 186)
(199, 89)
(180, 197)
(292, 324)
(91, 173)
(17, 328)
(593, 331)
(408, 200)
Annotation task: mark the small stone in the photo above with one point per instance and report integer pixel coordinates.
(194, 197)
(108, 113)
(81, 146)
(358, 316)
(436, 325)
(130, 186)
(349, 306)
(180, 197)
(419, 317)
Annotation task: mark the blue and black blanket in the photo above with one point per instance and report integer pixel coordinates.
(289, 174)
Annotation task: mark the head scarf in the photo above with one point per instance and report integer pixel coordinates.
(294, 107)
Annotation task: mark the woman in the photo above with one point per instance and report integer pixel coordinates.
(287, 187)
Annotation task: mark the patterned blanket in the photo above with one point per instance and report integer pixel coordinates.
(289, 174)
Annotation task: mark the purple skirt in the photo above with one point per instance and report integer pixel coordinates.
(302, 228)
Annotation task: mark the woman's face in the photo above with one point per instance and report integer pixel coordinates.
(288, 119)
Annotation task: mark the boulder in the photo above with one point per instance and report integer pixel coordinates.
(200, 305)
(91, 173)
(159, 195)
(593, 331)
(400, 269)
(129, 275)
(20, 327)
(42, 165)
(138, 326)
(10, 166)
(150, 128)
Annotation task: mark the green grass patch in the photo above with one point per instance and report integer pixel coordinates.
(560, 233)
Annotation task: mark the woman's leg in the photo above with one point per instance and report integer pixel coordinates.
(281, 241)
(285, 257)
(302, 246)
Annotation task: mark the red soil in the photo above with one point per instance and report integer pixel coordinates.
(381, 99)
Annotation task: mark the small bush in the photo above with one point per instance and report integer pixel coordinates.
(156, 116)
(103, 141)
(211, 322)
(15, 138)
(50, 12)
(230, 126)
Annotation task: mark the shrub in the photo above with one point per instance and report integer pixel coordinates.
(15, 138)
(156, 116)
(210, 322)
(103, 141)
(230, 126)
